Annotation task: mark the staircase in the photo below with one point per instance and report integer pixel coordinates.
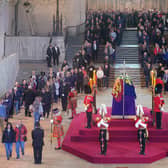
(74, 43)
(123, 146)
(128, 51)
(100, 57)
(136, 75)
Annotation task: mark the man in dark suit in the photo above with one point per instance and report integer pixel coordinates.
(56, 54)
(29, 96)
(37, 137)
(49, 55)
(64, 95)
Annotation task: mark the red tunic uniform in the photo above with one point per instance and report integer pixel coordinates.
(73, 102)
(88, 100)
(72, 99)
(160, 81)
(157, 103)
(58, 128)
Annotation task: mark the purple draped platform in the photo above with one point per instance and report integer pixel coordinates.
(129, 106)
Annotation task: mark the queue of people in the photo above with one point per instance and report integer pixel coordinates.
(153, 45)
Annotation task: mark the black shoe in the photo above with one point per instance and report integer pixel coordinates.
(8, 158)
(17, 157)
(22, 153)
(141, 153)
(37, 162)
(10, 155)
(57, 148)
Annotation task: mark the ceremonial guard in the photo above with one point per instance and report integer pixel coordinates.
(158, 105)
(58, 130)
(141, 124)
(72, 98)
(103, 125)
(88, 101)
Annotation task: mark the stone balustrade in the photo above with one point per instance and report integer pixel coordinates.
(32, 48)
(9, 67)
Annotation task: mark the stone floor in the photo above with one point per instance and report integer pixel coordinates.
(62, 159)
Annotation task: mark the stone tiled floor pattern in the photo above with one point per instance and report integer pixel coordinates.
(62, 159)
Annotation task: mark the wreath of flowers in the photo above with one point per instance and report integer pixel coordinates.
(117, 91)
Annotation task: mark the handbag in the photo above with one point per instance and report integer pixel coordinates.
(25, 138)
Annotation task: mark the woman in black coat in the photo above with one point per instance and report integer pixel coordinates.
(8, 138)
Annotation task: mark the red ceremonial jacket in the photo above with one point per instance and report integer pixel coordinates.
(157, 103)
(88, 100)
(73, 99)
(58, 130)
(142, 121)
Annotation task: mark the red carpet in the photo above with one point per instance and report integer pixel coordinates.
(123, 146)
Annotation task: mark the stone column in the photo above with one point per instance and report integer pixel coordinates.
(57, 17)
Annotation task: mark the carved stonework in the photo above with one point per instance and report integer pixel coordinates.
(128, 4)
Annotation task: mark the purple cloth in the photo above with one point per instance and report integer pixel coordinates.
(117, 107)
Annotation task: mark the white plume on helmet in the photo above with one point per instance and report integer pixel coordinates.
(103, 109)
(139, 110)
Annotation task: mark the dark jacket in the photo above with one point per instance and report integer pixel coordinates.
(46, 98)
(56, 53)
(37, 137)
(29, 96)
(63, 91)
(107, 71)
(8, 137)
(49, 52)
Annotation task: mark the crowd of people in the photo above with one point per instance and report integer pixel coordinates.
(102, 28)
(153, 45)
(37, 93)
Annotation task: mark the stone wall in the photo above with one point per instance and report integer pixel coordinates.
(128, 4)
(6, 22)
(39, 21)
(1, 45)
(32, 48)
(7, 17)
(9, 67)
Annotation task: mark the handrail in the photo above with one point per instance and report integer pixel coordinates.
(78, 28)
(75, 26)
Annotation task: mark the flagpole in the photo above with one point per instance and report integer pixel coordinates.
(123, 88)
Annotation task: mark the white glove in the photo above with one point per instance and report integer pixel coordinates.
(161, 109)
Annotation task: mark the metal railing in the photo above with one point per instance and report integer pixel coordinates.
(78, 29)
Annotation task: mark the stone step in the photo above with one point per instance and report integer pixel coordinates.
(127, 51)
(128, 62)
(129, 42)
(135, 74)
(126, 36)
